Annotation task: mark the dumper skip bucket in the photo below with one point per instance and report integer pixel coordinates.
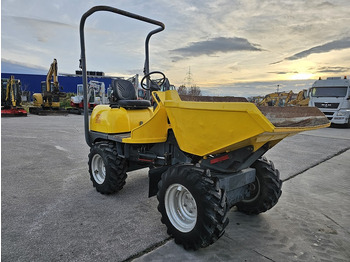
(205, 128)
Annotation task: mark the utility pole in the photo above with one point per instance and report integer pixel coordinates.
(188, 78)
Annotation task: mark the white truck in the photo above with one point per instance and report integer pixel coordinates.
(332, 97)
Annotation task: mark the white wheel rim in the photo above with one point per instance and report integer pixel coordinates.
(98, 169)
(181, 208)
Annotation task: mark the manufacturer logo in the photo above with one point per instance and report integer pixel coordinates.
(326, 105)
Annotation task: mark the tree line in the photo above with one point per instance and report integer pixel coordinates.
(190, 91)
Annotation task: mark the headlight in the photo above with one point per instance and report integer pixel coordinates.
(343, 113)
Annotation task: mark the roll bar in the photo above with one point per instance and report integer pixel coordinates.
(83, 58)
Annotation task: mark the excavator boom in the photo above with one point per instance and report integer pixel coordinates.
(52, 73)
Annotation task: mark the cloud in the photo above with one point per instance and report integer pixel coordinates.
(333, 69)
(284, 73)
(9, 66)
(246, 89)
(195, 32)
(42, 29)
(35, 21)
(277, 62)
(216, 45)
(330, 46)
(325, 4)
(318, 70)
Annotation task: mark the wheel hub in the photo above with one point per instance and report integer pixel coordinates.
(181, 207)
(98, 169)
(254, 190)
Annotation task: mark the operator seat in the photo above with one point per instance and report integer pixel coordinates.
(124, 95)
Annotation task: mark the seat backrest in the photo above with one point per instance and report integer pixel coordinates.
(123, 90)
(124, 95)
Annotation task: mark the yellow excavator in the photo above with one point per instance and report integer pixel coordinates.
(302, 99)
(49, 99)
(277, 99)
(11, 98)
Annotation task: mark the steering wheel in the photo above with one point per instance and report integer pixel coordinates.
(156, 83)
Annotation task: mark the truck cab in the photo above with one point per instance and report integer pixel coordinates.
(332, 97)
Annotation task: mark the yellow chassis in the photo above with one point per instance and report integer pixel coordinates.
(200, 128)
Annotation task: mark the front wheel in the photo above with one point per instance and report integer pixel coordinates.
(264, 191)
(107, 170)
(192, 205)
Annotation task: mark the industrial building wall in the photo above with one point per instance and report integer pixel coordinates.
(32, 83)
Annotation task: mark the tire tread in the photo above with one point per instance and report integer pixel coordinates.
(270, 192)
(213, 200)
(115, 168)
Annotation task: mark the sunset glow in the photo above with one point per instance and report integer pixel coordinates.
(237, 48)
(301, 76)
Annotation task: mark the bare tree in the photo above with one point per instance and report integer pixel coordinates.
(194, 91)
(182, 90)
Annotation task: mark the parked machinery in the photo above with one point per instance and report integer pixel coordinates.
(49, 98)
(276, 99)
(302, 99)
(11, 98)
(96, 95)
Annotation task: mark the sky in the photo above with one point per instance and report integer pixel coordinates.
(230, 47)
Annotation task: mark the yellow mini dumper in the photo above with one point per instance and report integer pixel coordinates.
(203, 157)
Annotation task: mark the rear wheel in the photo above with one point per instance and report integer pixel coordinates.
(264, 191)
(192, 205)
(107, 170)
